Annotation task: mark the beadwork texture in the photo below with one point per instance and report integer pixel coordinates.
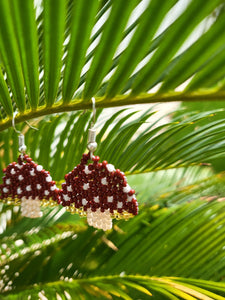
(98, 187)
(26, 182)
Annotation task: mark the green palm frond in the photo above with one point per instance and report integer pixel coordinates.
(123, 287)
(177, 241)
(164, 183)
(129, 140)
(59, 56)
(174, 241)
(54, 57)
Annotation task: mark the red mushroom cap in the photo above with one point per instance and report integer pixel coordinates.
(27, 179)
(98, 186)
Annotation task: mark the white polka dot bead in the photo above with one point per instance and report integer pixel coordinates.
(104, 181)
(48, 178)
(13, 172)
(86, 186)
(86, 170)
(20, 177)
(5, 190)
(69, 188)
(66, 197)
(32, 173)
(19, 166)
(96, 199)
(110, 168)
(8, 181)
(19, 191)
(127, 189)
(110, 199)
(84, 202)
(129, 198)
(119, 204)
(39, 168)
(28, 188)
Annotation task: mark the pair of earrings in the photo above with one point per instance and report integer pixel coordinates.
(92, 189)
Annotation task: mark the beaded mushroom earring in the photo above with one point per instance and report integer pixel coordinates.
(27, 184)
(97, 190)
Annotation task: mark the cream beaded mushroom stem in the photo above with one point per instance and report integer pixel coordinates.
(30, 208)
(98, 219)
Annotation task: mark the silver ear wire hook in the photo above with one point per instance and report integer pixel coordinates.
(93, 111)
(13, 123)
(32, 127)
(92, 145)
(22, 146)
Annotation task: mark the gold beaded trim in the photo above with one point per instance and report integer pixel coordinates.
(17, 201)
(115, 215)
